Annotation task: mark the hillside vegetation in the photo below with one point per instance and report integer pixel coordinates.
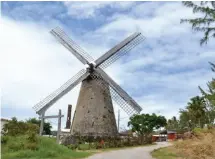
(20, 140)
(200, 146)
(19, 147)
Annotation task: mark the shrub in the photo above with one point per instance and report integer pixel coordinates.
(14, 127)
(73, 147)
(31, 146)
(16, 146)
(4, 139)
(32, 137)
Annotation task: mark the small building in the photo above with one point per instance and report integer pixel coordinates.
(172, 135)
(3, 122)
(159, 137)
(165, 135)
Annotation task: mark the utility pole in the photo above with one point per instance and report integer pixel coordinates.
(118, 119)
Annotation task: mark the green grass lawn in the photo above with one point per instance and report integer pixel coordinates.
(165, 153)
(47, 149)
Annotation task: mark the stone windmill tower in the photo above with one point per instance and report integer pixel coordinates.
(94, 112)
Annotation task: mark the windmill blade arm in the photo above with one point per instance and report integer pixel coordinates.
(119, 50)
(60, 92)
(117, 92)
(74, 48)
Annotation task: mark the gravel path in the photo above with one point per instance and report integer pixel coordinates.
(130, 153)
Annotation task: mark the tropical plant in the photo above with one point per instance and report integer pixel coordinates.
(197, 111)
(209, 97)
(206, 20)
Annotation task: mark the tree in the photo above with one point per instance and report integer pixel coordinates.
(47, 125)
(209, 96)
(185, 120)
(172, 124)
(197, 111)
(195, 114)
(206, 22)
(144, 124)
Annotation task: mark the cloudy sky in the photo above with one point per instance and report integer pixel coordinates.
(161, 74)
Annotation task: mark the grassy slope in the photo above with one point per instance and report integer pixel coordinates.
(165, 153)
(201, 146)
(48, 149)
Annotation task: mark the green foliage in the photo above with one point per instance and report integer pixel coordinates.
(16, 146)
(14, 128)
(72, 146)
(200, 111)
(21, 147)
(185, 120)
(32, 137)
(209, 97)
(31, 146)
(173, 124)
(4, 139)
(47, 125)
(206, 22)
(195, 113)
(165, 153)
(144, 124)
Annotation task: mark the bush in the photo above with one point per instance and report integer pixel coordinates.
(73, 147)
(4, 139)
(31, 146)
(32, 137)
(14, 128)
(16, 146)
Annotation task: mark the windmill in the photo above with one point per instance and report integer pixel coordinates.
(94, 112)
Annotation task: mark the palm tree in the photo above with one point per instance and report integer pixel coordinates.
(197, 110)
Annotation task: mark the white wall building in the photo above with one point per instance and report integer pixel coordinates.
(3, 121)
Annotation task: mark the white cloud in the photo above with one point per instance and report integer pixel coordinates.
(85, 10)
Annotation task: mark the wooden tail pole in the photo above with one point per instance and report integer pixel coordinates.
(42, 123)
(59, 126)
(118, 119)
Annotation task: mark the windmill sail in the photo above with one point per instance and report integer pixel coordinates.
(119, 50)
(74, 48)
(119, 95)
(60, 92)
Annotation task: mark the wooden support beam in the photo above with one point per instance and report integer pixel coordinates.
(42, 123)
(59, 126)
(52, 116)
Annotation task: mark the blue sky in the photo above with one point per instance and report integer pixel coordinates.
(161, 74)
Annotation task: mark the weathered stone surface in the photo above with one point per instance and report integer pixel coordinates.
(94, 112)
(67, 139)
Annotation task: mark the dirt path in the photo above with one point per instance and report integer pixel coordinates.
(130, 153)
